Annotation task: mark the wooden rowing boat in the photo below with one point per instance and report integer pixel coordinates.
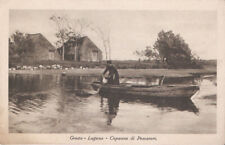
(159, 91)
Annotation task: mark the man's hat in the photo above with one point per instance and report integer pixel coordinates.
(109, 61)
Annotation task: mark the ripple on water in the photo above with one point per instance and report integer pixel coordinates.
(56, 104)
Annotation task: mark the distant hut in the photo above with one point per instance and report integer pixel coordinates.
(42, 48)
(82, 49)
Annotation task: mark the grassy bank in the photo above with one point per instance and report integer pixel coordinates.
(125, 64)
(129, 68)
(125, 72)
(119, 64)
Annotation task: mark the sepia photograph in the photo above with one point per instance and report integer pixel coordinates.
(112, 71)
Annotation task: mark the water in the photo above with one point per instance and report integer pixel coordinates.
(69, 104)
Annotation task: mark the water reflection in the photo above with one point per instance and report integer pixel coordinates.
(29, 83)
(111, 109)
(69, 104)
(211, 78)
(181, 80)
(27, 92)
(80, 85)
(167, 105)
(27, 102)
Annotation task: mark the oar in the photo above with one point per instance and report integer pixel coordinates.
(161, 81)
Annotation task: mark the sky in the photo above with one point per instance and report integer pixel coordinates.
(130, 30)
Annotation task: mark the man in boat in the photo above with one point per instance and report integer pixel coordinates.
(113, 75)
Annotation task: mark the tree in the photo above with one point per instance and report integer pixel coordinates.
(62, 31)
(69, 28)
(104, 35)
(20, 45)
(173, 49)
(77, 28)
(148, 53)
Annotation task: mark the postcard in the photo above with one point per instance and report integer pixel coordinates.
(112, 72)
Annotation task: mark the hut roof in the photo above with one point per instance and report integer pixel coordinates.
(80, 42)
(94, 47)
(39, 39)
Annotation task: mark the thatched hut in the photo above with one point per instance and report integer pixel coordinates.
(81, 49)
(42, 48)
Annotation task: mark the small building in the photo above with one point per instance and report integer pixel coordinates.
(81, 49)
(42, 48)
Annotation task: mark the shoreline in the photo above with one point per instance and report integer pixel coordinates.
(124, 72)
